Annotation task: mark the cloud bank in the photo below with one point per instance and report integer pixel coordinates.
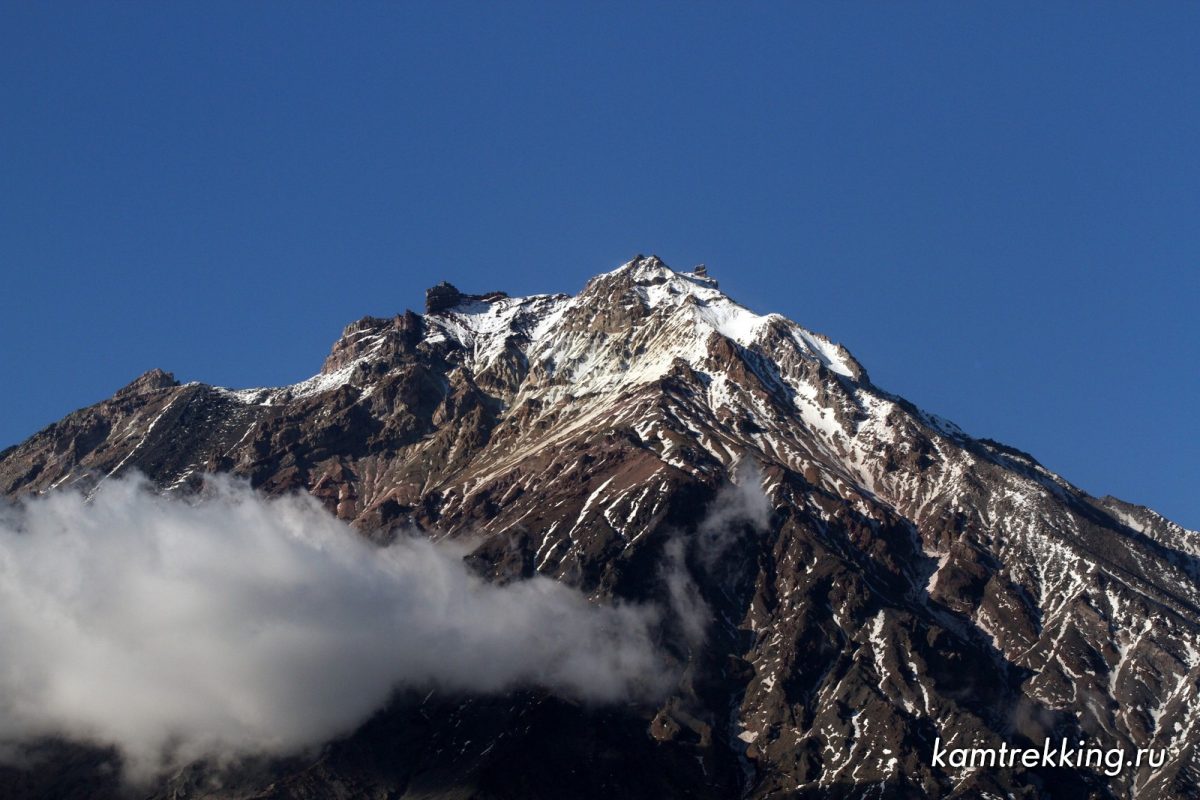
(244, 625)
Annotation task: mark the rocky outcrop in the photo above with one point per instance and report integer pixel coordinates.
(441, 297)
(445, 296)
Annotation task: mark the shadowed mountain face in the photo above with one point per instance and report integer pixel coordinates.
(853, 578)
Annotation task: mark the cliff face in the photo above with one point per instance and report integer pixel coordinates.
(871, 578)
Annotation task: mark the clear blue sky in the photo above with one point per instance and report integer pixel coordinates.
(997, 210)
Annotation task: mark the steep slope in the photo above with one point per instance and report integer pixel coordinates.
(906, 581)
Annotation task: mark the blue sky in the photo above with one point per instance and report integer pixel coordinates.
(995, 209)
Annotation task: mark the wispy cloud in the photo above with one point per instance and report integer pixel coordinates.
(738, 504)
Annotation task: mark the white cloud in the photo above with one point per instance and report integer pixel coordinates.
(240, 624)
(738, 504)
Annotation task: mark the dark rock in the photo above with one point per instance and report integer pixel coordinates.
(441, 297)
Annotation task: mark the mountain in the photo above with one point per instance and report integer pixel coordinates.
(903, 583)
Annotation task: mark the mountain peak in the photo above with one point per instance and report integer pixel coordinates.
(652, 270)
(149, 381)
(626, 327)
(905, 579)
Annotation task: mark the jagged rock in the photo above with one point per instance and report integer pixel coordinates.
(440, 297)
(149, 382)
(445, 296)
